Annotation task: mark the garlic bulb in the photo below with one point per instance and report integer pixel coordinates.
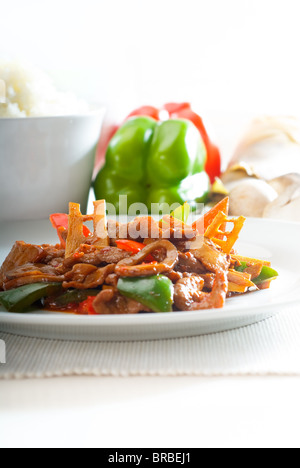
(250, 198)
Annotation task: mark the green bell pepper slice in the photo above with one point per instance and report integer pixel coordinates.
(75, 296)
(20, 299)
(154, 162)
(266, 274)
(241, 267)
(155, 292)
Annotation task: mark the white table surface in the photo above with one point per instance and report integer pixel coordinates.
(146, 412)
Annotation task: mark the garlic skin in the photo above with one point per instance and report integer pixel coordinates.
(263, 176)
(287, 182)
(287, 204)
(288, 212)
(250, 197)
(270, 147)
(235, 175)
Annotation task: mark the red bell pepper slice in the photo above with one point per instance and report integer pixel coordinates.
(86, 307)
(149, 111)
(60, 222)
(130, 246)
(174, 107)
(213, 163)
(133, 247)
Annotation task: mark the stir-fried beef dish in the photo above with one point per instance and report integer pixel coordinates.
(143, 266)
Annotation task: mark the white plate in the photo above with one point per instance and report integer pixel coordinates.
(269, 240)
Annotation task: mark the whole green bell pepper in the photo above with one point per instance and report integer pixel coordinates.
(154, 162)
(155, 292)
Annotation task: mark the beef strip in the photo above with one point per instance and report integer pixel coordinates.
(31, 269)
(139, 229)
(109, 301)
(187, 291)
(145, 227)
(211, 257)
(176, 231)
(22, 280)
(209, 279)
(187, 263)
(174, 276)
(92, 256)
(112, 255)
(85, 276)
(112, 280)
(54, 255)
(20, 254)
(135, 266)
(189, 294)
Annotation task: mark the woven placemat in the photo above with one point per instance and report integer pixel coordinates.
(270, 347)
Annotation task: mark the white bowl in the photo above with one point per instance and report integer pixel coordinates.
(45, 163)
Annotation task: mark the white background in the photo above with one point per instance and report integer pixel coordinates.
(225, 55)
(237, 412)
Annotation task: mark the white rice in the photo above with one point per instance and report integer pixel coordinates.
(31, 93)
